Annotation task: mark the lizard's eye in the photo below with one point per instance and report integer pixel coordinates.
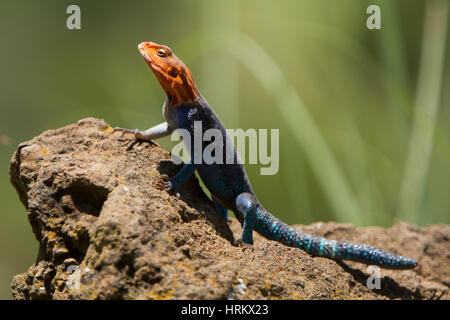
(161, 53)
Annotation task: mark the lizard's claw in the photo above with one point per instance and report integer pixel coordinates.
(138, 137)
(127, 141)
(124, 130)
(244, 245)
(163, 183)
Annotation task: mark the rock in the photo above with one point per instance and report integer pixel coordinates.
(105, 232)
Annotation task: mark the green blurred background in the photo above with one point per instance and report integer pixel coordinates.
(364, 115)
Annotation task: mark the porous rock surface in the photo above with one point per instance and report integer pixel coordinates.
(106, 232)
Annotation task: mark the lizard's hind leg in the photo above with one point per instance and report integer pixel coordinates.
(246, 205)
(221, 210)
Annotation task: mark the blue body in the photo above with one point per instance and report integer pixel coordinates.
(231, 189)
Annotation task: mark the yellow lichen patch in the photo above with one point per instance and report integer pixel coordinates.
(296, 296)
(93, 294)
(108, 130)
(73, 235)
(167, 266)
(185, 267)
(51, 236)
(60, 250)
(339, 293)
(121, 179)
(80, 228)
(168, 237)
(55, 223)
(271, 291)
(213, 282)
(180, 219)
(44, 151)
(162, 295)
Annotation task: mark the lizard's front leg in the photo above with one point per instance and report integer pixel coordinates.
(159, 131)
(181, 177)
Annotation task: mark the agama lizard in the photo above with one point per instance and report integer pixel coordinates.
(228, 183)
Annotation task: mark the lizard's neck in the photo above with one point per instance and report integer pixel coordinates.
(178, 116)
(181, 90)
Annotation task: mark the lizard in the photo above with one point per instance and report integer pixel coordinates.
(228, 183)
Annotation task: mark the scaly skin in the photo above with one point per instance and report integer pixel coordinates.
(228, 183)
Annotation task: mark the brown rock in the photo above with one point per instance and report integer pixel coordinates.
(105, 232)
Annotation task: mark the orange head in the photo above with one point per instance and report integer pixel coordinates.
(172, 74)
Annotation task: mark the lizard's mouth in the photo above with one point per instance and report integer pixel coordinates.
(146, 52)
(143, 52)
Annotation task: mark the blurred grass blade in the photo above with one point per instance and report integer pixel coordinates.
(220, 70)
(426, 109)
(302, 126)
(395, 77)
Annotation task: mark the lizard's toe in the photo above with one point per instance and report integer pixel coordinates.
(124, 130)
(244, 245)
(163, 183)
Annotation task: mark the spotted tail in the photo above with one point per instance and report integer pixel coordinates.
(273, 229)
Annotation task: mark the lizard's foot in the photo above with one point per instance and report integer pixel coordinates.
(138, 135)
(124, 130)
(244, 245)
(163, 183)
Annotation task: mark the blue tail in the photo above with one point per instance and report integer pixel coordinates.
(273, 229)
